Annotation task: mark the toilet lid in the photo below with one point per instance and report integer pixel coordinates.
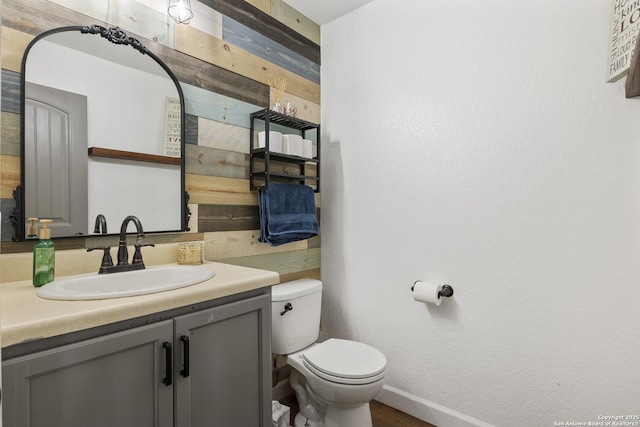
(347, 362)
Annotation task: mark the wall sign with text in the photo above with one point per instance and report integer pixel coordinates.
(625, 26)
(172, 127)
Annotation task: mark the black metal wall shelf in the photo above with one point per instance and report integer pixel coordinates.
(260, 179)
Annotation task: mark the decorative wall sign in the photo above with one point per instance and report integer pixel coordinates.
(625, 26)
(172, 127)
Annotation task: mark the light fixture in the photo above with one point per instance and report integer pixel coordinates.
(180, 11)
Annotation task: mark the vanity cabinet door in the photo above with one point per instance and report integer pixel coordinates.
(114, 380)
(226, 379)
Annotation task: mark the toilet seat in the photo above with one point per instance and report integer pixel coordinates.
(345, 362)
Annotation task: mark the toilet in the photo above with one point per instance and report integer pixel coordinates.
(334, 380)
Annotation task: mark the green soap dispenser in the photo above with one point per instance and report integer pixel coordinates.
(44, 257)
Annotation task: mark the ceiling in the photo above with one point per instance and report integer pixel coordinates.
(323, 11)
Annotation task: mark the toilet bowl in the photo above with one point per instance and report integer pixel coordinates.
(334, 380)
(340, 377)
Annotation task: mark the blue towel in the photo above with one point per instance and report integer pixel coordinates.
(287, 213)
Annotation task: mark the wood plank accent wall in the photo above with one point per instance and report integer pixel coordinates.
(224, 62)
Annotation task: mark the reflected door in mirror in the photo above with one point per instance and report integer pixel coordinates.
(56, 158)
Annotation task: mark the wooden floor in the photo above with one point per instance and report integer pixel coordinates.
(382, 415)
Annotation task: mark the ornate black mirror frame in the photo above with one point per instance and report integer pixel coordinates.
(117, 36)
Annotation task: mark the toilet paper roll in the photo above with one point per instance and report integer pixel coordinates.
(427, 292)
(275, 141)
(292, 144)
(307, 148)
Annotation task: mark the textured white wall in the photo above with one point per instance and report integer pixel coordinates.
(477, 144)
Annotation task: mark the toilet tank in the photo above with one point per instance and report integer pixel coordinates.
(295, 315)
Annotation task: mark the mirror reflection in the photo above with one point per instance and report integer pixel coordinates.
(103, 133)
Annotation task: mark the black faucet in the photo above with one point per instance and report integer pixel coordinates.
(101, 228)
(101, 225)
(123, 253)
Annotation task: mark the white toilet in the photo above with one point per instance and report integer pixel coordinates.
(334, 380)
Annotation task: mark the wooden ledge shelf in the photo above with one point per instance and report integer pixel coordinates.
(131, 155)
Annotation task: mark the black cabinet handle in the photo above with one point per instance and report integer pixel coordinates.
(168, 379)
(185, 347)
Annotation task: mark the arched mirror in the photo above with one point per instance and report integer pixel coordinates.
(102, 133)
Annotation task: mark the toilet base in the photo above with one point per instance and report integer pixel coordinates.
(302, 421)
(358, 416)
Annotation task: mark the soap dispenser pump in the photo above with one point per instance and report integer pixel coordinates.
(32, 229)
(44, 257)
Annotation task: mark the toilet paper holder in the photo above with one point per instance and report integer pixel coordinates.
(447, 290)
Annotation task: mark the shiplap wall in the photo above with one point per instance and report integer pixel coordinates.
(224, 61)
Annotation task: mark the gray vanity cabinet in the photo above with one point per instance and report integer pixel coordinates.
(218, 354)
(114, 380)
(226, 380)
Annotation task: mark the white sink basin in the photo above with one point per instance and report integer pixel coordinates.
(117, 285)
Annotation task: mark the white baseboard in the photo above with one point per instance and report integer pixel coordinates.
(425, 410)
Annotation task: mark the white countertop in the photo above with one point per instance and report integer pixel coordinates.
(24, 316)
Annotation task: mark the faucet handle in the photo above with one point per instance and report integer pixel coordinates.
(137, 255)
(106, 257)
